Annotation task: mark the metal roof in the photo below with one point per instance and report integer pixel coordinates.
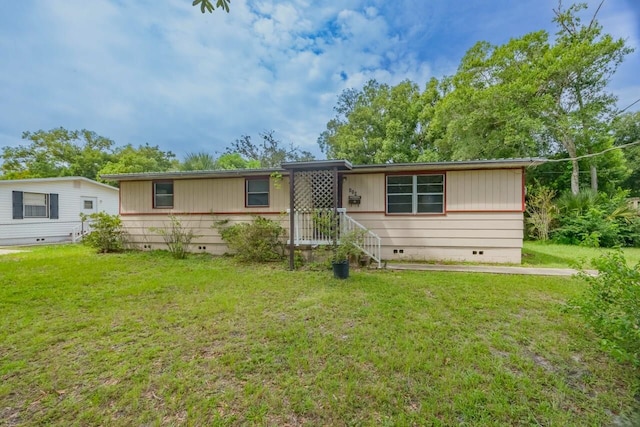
(318, 164)
(455, 165)
(330, 164)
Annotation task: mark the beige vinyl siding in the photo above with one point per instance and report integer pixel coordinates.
(202, 196)
(498, 235)
(208, 240)
(484, 190)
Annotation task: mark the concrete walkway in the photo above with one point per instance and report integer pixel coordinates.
(535, 271)
(8, 251)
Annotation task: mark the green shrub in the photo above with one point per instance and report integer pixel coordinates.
(106, 233)
(261, 240)
(597, 220)
(541, 211)
(611, 305)
(176, 236)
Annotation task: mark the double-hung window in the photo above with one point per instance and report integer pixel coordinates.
(36, 205)
(163, 194)
(415, 194)
(257, 191)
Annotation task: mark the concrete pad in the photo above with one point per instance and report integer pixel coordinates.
(535, 271)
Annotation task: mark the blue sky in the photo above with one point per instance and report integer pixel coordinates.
(162, 73)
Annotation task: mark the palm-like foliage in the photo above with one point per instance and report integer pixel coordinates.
(199, 162)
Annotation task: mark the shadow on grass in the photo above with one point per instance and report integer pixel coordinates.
(542, 259)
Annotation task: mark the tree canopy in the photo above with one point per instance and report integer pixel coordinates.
(269, 152)
(61, 152)
(208, 6)
(57, 152)
(381, 124)
(202, 161)
(144, 158)
(532, 96)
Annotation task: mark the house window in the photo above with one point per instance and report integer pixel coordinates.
(257, 191)
(163, 194)
(88, 204)
(415, 194)
(36, 205)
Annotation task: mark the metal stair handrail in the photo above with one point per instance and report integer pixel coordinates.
(370, 242)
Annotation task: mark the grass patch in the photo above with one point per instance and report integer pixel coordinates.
(141, 338)
(543, 254)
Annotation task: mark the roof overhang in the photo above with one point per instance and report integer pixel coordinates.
(341, 165)
(59, 179)
(143, 176)
(453, 165)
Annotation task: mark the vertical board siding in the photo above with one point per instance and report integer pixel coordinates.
(371, 189)
(202, 196)
(136, 197)
(484, 190)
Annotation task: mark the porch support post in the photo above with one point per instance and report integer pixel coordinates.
(335, 206)
(292, 207)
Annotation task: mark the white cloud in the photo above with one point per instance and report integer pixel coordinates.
(163, 73)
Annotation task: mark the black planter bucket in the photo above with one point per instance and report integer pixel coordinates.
(341, 269)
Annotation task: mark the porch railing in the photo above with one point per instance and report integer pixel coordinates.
(307, 232)
(80, 230)
(369, 242)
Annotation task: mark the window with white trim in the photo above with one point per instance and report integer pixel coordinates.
(163, 194)
(257, 191)
(415, 194)
(36, 205)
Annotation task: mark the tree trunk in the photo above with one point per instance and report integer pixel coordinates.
(575, 172)
(575, 177)
(594, 178)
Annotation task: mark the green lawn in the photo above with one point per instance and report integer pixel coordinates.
(142, 339)
(542, 254)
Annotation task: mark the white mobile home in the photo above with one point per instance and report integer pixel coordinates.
(465, 211)
(47, 210)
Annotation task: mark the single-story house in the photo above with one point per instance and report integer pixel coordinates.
(47, 210)
(462, 211)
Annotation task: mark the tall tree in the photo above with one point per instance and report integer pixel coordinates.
(534, 97)
(57, 152)
(578, 68)
(269, 152)
(492, 107)
(381, 124)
